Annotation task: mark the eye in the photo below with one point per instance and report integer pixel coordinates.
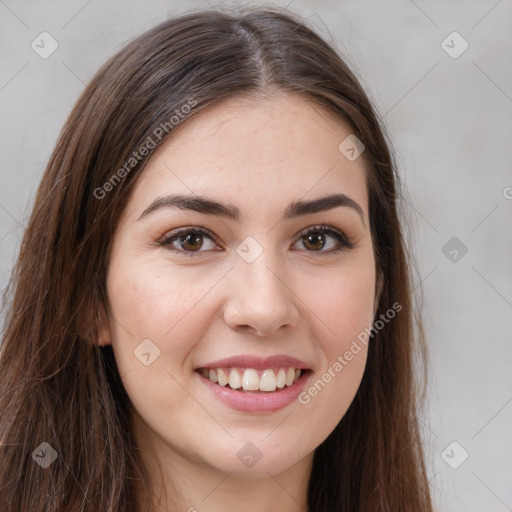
(315, 239)
(187, 241)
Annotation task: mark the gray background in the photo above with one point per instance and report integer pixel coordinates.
(450, 120)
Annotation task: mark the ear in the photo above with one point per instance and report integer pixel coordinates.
(102, 336)
(93, 323)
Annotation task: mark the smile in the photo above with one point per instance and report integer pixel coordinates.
(254, 401)
(251, 379)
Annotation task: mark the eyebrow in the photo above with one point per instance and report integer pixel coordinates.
(209, 206)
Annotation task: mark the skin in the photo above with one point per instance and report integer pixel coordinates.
(260, 155)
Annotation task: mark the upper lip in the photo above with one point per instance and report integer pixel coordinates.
(258, 363)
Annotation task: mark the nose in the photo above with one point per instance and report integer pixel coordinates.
(261, 298)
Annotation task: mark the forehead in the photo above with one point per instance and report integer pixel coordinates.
(246, 150)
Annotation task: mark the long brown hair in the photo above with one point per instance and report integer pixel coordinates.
(57, 386)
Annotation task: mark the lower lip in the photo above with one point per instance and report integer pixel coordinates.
(247, 401)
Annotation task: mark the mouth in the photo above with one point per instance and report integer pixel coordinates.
(255, 381)
(255, 385)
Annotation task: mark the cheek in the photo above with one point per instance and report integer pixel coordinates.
(343, 304)
(164, 306)
(153, 300)
(349, 311)
(330, 392)
(158, 304)
(343, 314)
(346, 319)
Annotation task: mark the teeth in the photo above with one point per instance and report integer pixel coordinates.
(250, 379)
(235, 380)
(281, 378)
(222, 377)
(290, 376)
(268, 380)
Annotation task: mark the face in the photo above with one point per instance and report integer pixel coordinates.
(261, 281)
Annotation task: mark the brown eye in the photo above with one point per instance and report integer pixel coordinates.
(314, 242)
(317, 238)
(187, 241)
(191, 242)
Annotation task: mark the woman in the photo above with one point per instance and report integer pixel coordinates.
(211, 309)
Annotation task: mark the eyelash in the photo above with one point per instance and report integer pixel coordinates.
(344, 243)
